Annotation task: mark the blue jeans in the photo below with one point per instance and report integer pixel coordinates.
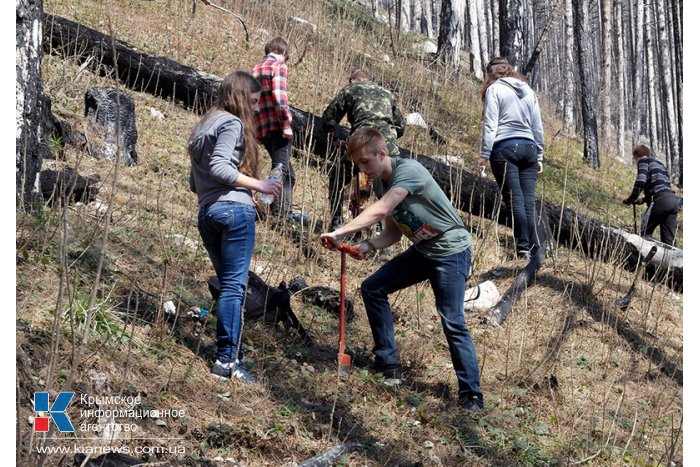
(447, 276)
(228, 233)
(515, 168)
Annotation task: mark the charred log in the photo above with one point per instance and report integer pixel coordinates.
(68, 185)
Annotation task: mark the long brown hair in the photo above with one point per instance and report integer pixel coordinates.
(234, 97)
(498, 68)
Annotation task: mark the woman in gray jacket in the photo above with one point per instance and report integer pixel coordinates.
(224, 172)
(512, 139)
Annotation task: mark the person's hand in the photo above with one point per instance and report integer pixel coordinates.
(340, 144)
(626, 201)
(639, 201)
(539, 167)
(329, 240)
(481, 162)
(270, 186)
(287, 133)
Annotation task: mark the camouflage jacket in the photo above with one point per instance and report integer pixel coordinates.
(366, 104)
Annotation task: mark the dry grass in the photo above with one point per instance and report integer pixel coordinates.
(616, 399)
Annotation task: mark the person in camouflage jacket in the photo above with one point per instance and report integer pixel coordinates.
(366, 104)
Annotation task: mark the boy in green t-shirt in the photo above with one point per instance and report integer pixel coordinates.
(415, 206)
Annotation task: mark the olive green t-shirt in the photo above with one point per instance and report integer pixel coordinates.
(426, 212)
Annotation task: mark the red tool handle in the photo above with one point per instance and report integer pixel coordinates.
(341, 340)
(344, 360)
(343, 248)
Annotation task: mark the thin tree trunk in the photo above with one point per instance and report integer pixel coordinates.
(30, 104)
(511, 28)
(450, 39)
(677, 20)
(588, 93)
(474, 41)
(543, 38)
(496, 25)
(667, 92)
(607, 70)
(639, 107)
(651, 78)
(483, 34)
(569, 70)
(405, 16)
(621, 75)
(416, 15)
(427, 22)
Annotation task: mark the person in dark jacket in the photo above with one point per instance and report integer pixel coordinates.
(662, 203)
(366, 104)
(224, 160)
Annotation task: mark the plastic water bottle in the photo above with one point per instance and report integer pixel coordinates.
(275, 174)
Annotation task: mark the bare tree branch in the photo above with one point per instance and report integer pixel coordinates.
(238, 17)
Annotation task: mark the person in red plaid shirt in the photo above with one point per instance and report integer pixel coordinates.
(274, 120)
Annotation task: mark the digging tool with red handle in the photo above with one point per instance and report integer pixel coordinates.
(344, 360)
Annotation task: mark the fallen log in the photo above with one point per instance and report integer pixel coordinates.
(195, 89)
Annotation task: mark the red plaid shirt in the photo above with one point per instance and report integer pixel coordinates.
(274, 112)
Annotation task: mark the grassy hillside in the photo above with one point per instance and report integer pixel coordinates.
(567, 379)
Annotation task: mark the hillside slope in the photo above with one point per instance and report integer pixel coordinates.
(568, 378)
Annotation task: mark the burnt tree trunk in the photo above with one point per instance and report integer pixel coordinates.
(511, 30)
(472, 193)
(587, 73)
(31, 103)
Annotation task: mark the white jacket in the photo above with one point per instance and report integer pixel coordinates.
(511, 110)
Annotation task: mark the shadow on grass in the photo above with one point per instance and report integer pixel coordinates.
(605, 314)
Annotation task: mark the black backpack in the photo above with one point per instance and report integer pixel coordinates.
(262, 301)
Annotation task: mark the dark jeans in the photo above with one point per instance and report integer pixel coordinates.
(280, 150)
(662, 212)
(339, 175)
(447, 276)
(515, 168)
(228, 233)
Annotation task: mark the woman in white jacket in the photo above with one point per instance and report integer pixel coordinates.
(512, 140)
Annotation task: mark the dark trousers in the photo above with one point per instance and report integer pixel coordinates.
(515, 168)
(661, 212)
(339, 175)
(280, 150)
(447, 276)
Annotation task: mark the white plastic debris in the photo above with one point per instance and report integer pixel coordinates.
(450, 160)
(155, 113)
(193, 245)
(303, 22)
(169, 308)
(428, 47)
(482, 297)
(416, 119)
